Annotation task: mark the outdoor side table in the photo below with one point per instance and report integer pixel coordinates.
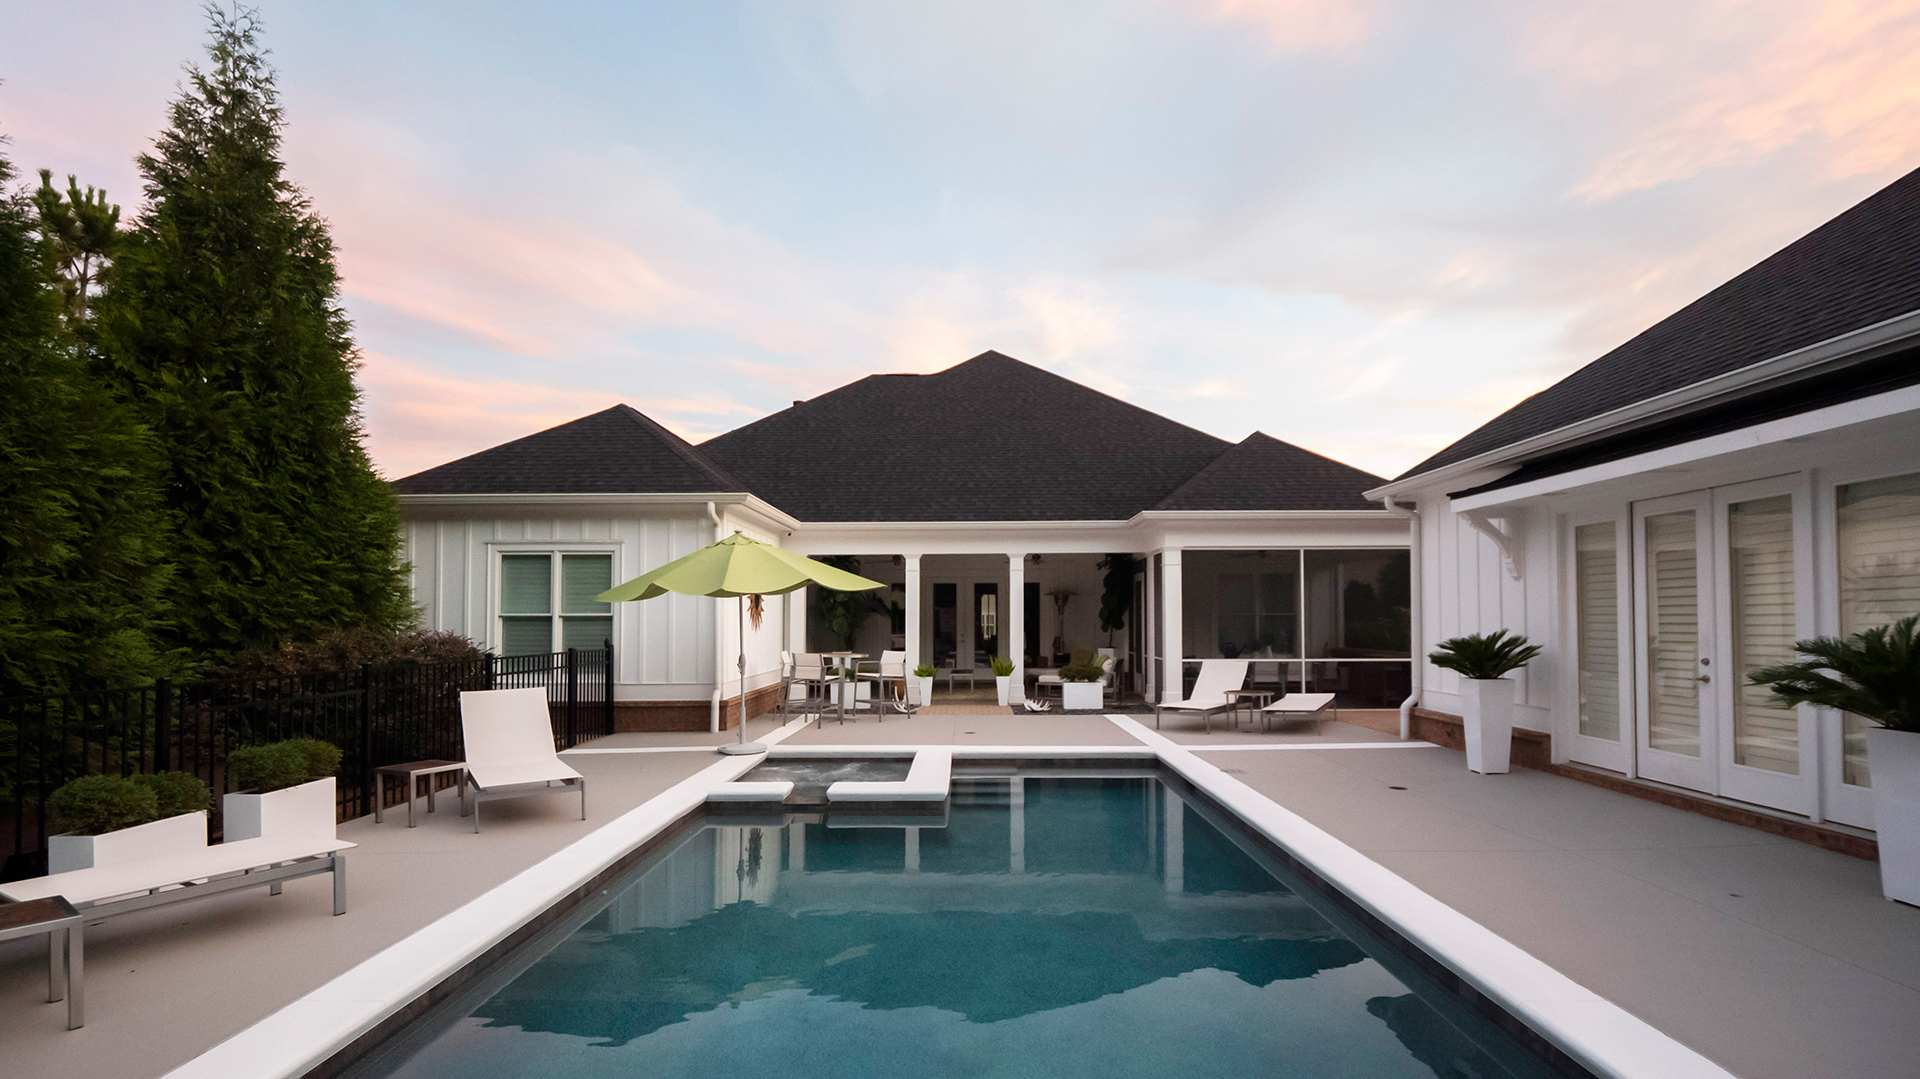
(411, 771)
(66, 966)
(1255, 700)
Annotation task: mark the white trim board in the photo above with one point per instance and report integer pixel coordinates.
(1594, 1031)
(1310, 745)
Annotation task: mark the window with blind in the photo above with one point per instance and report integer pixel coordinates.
(1766, 733)
(1673, 633)
(547, 602)
(1879, 538)
(1597, 603)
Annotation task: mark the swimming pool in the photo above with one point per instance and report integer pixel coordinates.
(1060, 924)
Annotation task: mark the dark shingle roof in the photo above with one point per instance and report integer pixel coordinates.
(1858, 269)
(1265, 473)
(991, 439)
(618, 451)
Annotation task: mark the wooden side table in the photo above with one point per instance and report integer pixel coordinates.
(411, 772)
(1255, 698)
(66, 966)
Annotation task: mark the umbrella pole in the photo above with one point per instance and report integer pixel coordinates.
(742, 746)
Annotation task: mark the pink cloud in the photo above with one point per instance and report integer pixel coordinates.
(1304, 25)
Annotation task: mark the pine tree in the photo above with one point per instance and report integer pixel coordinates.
(223, 326)
(81, 531)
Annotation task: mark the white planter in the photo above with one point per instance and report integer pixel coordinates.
(1081, 696)
(154, 839)
(922, 686)
(1003, 685)
(308, 809)
(1894, 758)
(1486, 706)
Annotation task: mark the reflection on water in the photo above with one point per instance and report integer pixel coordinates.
(1051, 927)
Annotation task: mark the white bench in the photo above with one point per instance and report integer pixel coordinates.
(927, 781)
(120, 888)
(1312, 706)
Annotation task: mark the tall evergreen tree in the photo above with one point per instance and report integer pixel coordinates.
(223, 325)
(81, 530)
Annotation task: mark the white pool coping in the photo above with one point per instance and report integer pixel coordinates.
(927, 781)
(1599, 1034)
(770, 790)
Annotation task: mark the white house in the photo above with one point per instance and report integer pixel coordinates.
(1677, 512)
(985, 496)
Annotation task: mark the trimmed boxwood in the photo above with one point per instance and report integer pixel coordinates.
(278, 765)
(177, 793)
(95, 805)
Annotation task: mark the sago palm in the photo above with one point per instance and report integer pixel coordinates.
(1874, 674)
(1484, 656)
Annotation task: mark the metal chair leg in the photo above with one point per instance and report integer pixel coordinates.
(339, 883)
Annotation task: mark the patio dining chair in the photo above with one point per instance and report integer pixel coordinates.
(510, 753)
(1209, 696)
(889, 683)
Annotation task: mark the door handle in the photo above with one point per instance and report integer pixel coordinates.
(1704, 678)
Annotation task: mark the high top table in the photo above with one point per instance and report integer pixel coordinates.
(842, 663)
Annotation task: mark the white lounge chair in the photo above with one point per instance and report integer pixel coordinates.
(1312, 706)
(1209, 697)
(510, 754)
(185, 866)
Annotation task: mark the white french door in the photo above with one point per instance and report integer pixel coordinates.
(1673, 639)
(1722, 587)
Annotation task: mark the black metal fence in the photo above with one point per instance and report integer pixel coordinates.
(376, 715)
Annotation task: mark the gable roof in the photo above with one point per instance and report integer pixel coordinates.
(1264, 473)
(617, 451)
(1861, 268)
(991, 439)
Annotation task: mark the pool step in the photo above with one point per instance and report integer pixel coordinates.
(927, 781)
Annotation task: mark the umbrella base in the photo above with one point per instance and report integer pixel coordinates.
(735, 749)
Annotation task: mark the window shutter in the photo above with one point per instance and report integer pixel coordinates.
(1879, 532)
(1766, 733)
(1673, 633)
(526, 584)
(1597, 567)
(582, 577)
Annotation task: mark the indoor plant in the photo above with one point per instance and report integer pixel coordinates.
(1486, 694)
(1876, 676)
(1003, 678)
(108, 819)
(923, 683)
(1081, 687)
(285, 787)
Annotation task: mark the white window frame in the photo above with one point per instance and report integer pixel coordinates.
(495, 636)
(1614, 756)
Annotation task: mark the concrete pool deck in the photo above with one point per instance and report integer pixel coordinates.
(1771, 957)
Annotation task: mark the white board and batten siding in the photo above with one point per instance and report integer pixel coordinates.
(664, 647)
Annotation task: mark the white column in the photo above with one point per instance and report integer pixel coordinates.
(1017, 811)
(913, 850)
(797, 620)
(1149, 676)
(1174, 846)
(1173, 612)
(1016, 632)
(914, 658)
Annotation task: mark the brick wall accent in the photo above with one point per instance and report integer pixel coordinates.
(1531, 749)
(690, 715)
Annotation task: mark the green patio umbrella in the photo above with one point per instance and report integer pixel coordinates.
(737, 567)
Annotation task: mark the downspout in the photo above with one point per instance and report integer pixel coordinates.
(720, 638)
(1418, 662)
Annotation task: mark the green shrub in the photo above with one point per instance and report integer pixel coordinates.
(1481, 656)
(1002, 667)
(177, 793)
(279, 765)
(925, 670)
(1083, 672)
(93, 805)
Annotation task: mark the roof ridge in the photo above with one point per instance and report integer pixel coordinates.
(686, 450)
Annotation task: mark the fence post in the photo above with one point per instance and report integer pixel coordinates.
(573, 696)
(163, 725)
(606, 700)
(366, 736)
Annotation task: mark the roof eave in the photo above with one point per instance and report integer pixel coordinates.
(602, 498)
(1849, 347)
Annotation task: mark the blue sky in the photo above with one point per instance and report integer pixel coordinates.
(1362, 226)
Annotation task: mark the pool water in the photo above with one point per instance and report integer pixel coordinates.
(1055, 926)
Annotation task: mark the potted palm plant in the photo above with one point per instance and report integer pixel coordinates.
(1486, 694)
(923, 682)
(1003, 678)
(1875, 674)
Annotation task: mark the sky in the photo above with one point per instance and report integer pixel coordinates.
(1361, 226)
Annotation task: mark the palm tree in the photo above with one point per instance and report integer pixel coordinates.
(1878, 674)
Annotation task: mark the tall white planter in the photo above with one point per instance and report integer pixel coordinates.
(922, 688)
(1894, 758)
(1486, 707)
(1081, 696)
(154, 839)
(308, 809)
(1003, 687)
